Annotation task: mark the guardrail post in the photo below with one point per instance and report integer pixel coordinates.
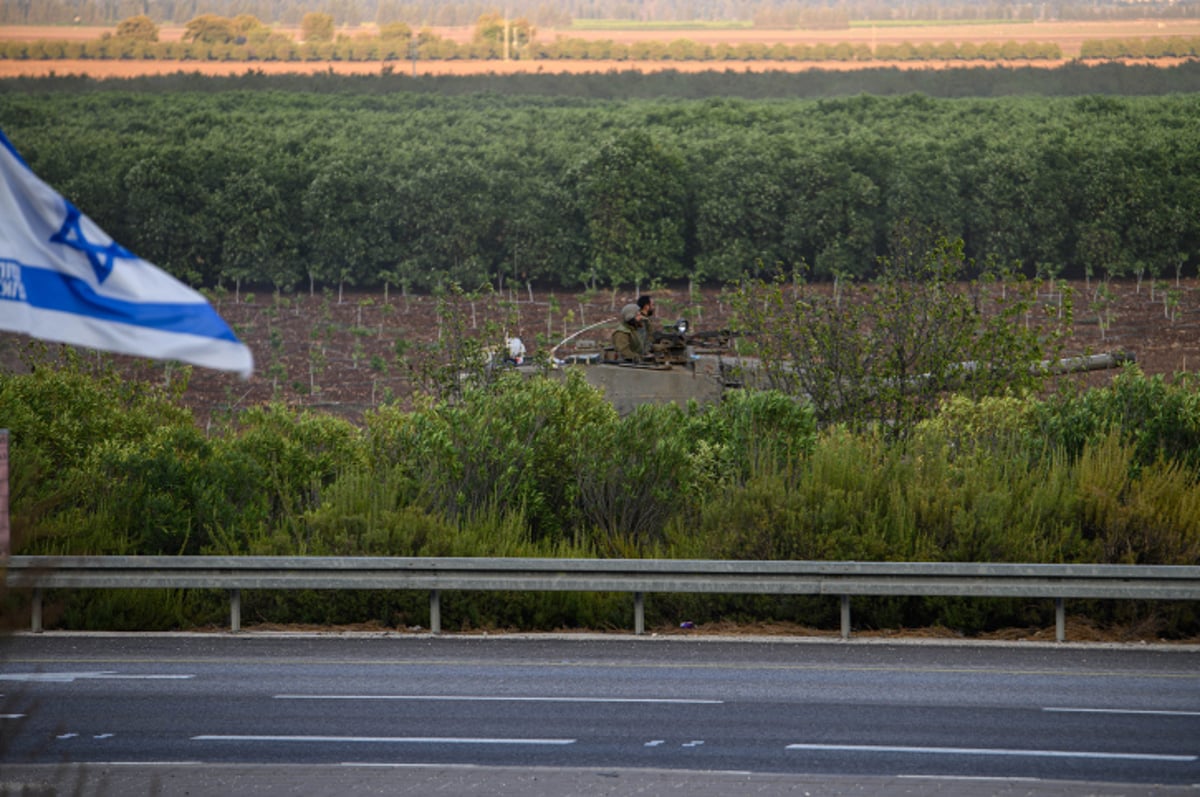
(639, 613)
(1060, 620)
(35, 610)
(845, 617)
(435, 612)
(235, 610)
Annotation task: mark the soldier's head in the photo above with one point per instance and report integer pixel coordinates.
(631, 315)
(646, 306)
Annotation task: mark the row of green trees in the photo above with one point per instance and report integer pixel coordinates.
(245, 38)
(1153, 47)
(544, 467)
(298, 190)
(434, 48)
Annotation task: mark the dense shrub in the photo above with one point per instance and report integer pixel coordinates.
(544, 467)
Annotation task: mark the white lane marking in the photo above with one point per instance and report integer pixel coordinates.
(431, 765)
(11, 716)
(1147, 711)
(655, 743)
(380, 739)
(66, 736)
(150, 763)
(871, 748)
(149, 677)
(402, 765)
(984, 778)
(694, 743)
(104, 736)
(69, 677)
(511, 699)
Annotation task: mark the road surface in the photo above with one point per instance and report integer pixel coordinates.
(604, 709)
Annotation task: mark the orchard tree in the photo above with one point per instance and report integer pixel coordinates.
(395, 31)
(447, 226)
(540, 237)
(316, 27)
(250, 28)
(494, 27)
(336, 211)
(209, 29)
(742, 196)
(253, 230)
(168, 200)
(139, 28)
(633, 198)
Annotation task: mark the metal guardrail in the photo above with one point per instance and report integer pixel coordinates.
(636, 576)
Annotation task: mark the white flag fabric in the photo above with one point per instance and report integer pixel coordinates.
(63, 279)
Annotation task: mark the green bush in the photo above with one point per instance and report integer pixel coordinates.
(295, 456)
(1160, 419)
(58, 415)
(633, 476)
(512, 445)
(173, 492)
(543, 467)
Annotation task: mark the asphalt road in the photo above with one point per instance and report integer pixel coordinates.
(673, 709)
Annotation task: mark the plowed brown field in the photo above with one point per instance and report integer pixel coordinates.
(340, 357)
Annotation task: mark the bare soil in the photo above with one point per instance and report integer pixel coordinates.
(130, 69)
(340, 356)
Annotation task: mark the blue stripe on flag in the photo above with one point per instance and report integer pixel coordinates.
(53, 290)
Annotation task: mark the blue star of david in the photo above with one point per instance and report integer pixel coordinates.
(101, 257)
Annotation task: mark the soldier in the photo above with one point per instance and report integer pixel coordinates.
(645, 316)
(625, 337)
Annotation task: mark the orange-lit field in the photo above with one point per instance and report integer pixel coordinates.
(1069, 37)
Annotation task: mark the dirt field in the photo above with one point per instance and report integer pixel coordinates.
(1069, 37)
(128, 69)
(341, 357)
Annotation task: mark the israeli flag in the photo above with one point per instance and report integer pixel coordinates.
(64, 279)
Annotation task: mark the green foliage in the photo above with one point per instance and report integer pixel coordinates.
(137, 610)
(295, 457)
(542, 466)
(395, 30)
(317, 27)
(139, 28)
(985, 425)
(58, 415)
(512, 445)
(1153, 518)
(1159, 418)
(173, 492)
(633, 197)
(749, 431)
(885, 354)
(263, 181)
(632, 476)
(209, 29)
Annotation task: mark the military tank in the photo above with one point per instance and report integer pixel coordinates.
(683, 366)
(686, 365)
